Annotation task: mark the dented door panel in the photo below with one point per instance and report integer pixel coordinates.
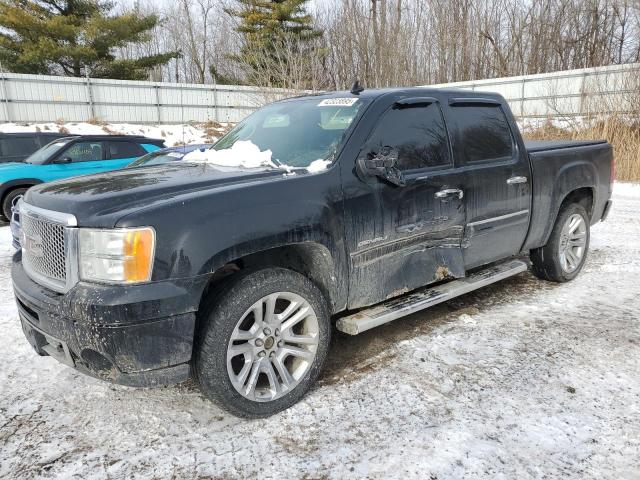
(413, 241)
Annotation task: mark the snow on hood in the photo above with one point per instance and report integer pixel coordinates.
(246, 154)
(243, 154)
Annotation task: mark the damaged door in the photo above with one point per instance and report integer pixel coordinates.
(405, 224)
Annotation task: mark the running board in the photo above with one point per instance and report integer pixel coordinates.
(407, 304)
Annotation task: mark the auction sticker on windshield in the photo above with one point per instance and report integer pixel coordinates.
(337, 102)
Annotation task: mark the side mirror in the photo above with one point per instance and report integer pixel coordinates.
(382, 165)
(63, 160)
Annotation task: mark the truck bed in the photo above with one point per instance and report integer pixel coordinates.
(560, 167)
(546, 145)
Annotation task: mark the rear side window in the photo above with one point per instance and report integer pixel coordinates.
(18, 146)
(417, 133)
(84, 152)
(125, 150)
(483, 133)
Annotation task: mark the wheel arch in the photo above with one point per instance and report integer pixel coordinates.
(582, 195)
(311, 259)
(12, 185)
(575, 180)
(19, 183)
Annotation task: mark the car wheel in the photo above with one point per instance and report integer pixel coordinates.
(262, 342)
(562, 258)
(9, 201)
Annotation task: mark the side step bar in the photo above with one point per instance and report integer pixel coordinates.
(406, 305)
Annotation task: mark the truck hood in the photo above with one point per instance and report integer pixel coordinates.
(101, 199)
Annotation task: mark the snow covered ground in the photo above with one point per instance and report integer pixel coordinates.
(172, 134)
(524, 379)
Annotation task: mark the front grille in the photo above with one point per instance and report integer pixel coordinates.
(43, 249)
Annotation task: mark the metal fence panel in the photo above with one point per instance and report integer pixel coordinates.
(570, 93)
(43, 98)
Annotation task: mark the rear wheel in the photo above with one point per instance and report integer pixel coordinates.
(562, 258)
(263, 342)
(9, 200)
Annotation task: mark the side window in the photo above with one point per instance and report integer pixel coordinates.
(18, 146)
(417, 133)
(84, 152)
(125, 150)
(483, 133)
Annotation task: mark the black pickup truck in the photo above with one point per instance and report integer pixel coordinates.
(350, 209)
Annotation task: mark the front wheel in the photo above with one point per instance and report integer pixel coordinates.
(263, 341)
(562, 258)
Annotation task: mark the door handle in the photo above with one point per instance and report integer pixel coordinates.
(448, 192)
(516, 180)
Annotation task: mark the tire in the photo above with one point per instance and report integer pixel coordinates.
(552, 262)
(8, 200)
(228, 325)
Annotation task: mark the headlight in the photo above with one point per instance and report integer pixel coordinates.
(122, 255)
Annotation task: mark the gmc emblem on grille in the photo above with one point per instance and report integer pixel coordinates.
(33, 244)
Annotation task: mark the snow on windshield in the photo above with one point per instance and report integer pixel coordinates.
(246, 154)
(318, 166)
(242, 154)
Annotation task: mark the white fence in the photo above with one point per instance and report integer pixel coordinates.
(569, 93)
(43, 98)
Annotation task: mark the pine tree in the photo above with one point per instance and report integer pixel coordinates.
(273, 31)
(74, 38)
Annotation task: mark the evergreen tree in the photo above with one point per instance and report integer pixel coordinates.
(74, 38)
(273, 31)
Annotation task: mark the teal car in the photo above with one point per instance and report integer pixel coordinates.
(69, 157)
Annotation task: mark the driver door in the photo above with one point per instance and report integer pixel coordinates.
(79, 158)
(404, 236)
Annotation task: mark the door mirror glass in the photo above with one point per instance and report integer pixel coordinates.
(382, 164)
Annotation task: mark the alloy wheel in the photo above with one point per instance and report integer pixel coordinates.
(272, 346)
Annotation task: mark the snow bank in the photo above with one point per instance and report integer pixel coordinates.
(627, 189)
(243, 154)
(171, 134)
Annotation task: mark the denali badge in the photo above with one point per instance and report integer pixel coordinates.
(32, 244)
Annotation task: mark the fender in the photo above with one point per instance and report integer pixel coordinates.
(571, 177)
(199, 232)
(314, 258)
(548, 196)
(20, 182)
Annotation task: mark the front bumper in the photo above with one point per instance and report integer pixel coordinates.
(132, 335)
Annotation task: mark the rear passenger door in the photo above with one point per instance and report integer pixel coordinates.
(402, 237)
(498, 179)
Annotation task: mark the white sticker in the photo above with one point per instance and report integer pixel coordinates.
(60, 144)
(337, 102)
(175, 154)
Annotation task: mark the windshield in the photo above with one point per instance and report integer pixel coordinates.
(39, 157)
(297, 132)
(157, 158)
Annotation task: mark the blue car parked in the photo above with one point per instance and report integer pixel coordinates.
(68, 157)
